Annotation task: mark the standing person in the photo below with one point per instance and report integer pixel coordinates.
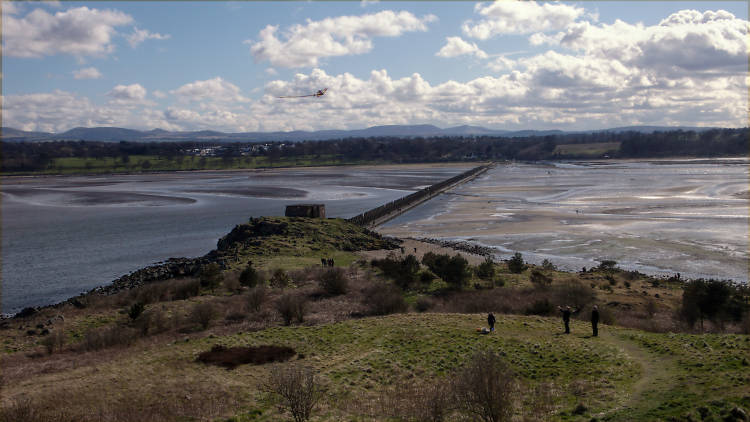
(491, 321)
(595, 320)
(566, 312)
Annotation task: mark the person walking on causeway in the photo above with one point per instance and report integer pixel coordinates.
(595, 320)
(491, 321)
(566, 312)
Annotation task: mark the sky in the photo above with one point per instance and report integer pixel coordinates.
(503, 65)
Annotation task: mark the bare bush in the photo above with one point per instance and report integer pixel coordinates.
(572, 292)
(295, 390)
(486, 387)
(185, 289)
(54, 341)
(384, 299)
(539, 279)
(422, 401)
(153, 321)
(334, 281)
(104, 337)
(232, 283)
(203, 314)
(255, 298)
(292, 306)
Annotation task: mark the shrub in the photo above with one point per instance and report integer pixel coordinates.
(486, 270)
(485, 387)
(255, 298)
(334, 281)
(280, 279)
(651, 307)
(232, 284)
(421, 401)
(539, 279)
(249, 276)
(135, 310)
(403, 271)
(516, 264)
(384, 299)
(426, 277)
(612, 281)
(104, 337)
(292, 306)
(295, 390)
(203, 314)
(573, 293)
(54, 341)
(541, 307)
(423, 304)
(453, 270)
(607, 265)
(185, 289)
(711, 299)
(211, 276)
(547, 265)
(153, 321)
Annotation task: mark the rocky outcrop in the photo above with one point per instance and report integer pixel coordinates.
(463, 246)
(171, 268)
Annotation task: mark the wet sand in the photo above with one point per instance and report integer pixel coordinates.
(659, 219)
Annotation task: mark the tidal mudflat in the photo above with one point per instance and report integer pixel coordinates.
(657, 217)
(65, 235)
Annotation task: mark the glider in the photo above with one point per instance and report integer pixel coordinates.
(320, 93)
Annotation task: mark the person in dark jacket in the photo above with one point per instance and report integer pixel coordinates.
(491, 321)
(566, 312)
(595, 320)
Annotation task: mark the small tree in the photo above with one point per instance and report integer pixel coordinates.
(211, 276)
(486, 270)
(203, 314)
(516, 264)
(135, 310)
(249, 276)
(279, 279)
(485, 387)
(457, 271)
(295, 390)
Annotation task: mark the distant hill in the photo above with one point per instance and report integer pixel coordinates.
(115, 134)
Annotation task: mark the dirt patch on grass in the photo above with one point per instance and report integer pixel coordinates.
(234, 356)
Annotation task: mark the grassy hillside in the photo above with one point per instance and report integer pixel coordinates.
(373, 353)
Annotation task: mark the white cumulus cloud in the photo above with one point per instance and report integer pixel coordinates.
(140, 35)
(304, 45)
(520, 17)
(87, 73)
(134, 92)
(455, 46)
(216, 89)
(80, 31)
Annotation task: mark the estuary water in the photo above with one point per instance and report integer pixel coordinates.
(62, 236)
(658, 217)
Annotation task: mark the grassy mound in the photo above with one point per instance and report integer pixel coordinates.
(294, 242)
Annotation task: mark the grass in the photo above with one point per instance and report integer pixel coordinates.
(625, 374)
(358, 359)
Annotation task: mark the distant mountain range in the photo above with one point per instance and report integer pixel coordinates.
(115, 134)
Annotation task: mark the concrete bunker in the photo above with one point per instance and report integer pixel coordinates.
(306, 210)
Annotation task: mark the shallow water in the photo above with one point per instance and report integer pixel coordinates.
(65, 235)
(658, 217)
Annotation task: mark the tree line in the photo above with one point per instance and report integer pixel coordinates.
(38, 156)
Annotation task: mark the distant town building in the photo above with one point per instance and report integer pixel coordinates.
(306, 210)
